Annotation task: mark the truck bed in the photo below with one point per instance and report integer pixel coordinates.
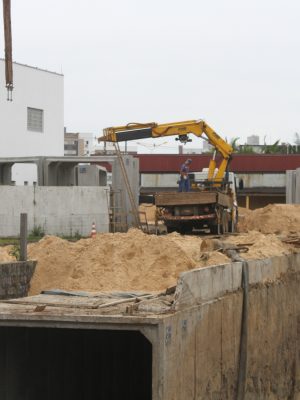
(185, 198)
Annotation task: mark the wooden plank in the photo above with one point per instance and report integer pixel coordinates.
(225, 200)
(189, 198)
(23, 237)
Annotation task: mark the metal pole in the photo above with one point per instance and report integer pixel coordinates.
(8, 48)
(23, 237)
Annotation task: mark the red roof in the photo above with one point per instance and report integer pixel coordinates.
(239, 163)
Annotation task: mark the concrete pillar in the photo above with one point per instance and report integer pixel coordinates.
(290, 187)
(297, 187)
(5, 173)
(122, 201)
(40, 165)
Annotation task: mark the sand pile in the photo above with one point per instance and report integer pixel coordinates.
(274, 218)
(131, 261)
(260, 245)
(120, 261)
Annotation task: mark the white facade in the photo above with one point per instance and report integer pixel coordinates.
(40, 92)
(253, 140)
(90, 142)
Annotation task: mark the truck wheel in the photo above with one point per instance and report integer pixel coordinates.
(214, 229)
(185, 230)
(171, 229)
(231, 227)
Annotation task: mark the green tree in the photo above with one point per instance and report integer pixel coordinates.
(246, 149)
(274, 148)
(234, 144)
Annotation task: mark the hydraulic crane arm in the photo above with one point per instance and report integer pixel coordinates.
(136, 131)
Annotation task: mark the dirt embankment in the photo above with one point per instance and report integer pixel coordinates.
(132, 261)
(135, 261)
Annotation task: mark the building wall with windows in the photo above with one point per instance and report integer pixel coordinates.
(33, 123)
(90, 142)
(73, 145)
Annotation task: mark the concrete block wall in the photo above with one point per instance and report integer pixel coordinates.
(15, 278)
(56, 210)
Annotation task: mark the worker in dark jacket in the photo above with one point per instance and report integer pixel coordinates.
(184, 181)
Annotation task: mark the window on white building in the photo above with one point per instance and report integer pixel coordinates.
(35, 119)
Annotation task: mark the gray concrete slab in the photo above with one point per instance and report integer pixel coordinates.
(55, 210)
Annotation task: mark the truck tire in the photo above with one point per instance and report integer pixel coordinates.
(214, 229)
(171, 229)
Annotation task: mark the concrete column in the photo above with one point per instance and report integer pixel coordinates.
(297, 186)
(118, 184)
(5, 173)
(290, 187)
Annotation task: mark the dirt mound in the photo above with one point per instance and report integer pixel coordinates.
(120, 261)
(260, 245)
(274, 218)
(131, 261)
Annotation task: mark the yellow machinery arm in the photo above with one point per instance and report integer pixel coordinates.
(136, 131)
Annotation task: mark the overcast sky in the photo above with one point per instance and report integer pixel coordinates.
(234, 63)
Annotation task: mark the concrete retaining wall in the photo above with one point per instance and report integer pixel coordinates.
(196, 342)
(201, 342)
(293, 186)
(56, 210)
(15, 278)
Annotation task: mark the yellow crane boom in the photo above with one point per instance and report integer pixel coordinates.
(136, 131)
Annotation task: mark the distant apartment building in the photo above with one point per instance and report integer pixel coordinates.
(188, 150)
(79, 144)
(253, 140)
(33, 123)
(207, 147)
(73, 145)
(90, 142)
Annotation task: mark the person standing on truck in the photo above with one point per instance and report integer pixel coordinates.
(184, 181)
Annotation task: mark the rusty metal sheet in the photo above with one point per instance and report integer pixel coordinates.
(187, 218)
(241, 163)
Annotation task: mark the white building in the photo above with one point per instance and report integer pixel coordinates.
(33, 123)
(253, 140)
(90, 142)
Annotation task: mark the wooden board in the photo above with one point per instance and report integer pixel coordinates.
(185, 198)
(225, 200)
